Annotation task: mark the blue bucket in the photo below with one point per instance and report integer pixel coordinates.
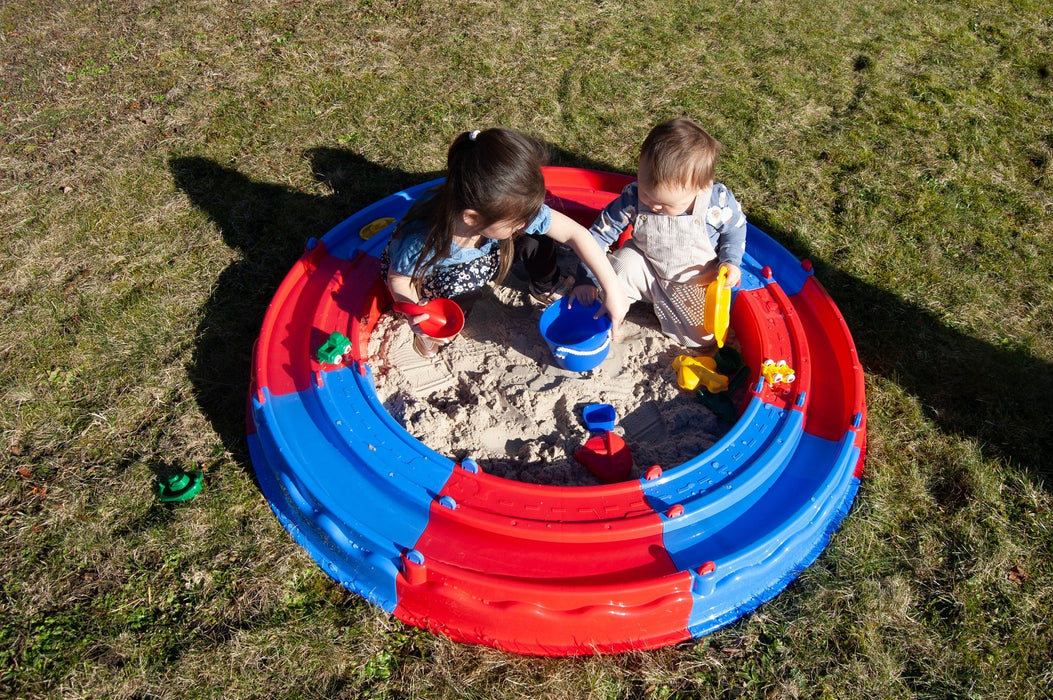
(578, 341)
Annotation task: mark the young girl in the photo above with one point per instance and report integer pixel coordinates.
(489, 209)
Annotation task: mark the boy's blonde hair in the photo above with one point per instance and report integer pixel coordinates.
(680, 152)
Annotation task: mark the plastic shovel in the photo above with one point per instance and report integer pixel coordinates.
(715, 318)
(445, 318)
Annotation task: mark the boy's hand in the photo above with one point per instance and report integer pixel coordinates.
(734, 275)
(584, 294)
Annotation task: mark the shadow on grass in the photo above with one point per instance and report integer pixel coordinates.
(999, 396)
(269, 225)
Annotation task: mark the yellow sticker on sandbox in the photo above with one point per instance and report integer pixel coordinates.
(374, 227)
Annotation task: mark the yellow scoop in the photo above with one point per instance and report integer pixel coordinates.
(718, 308)
(694, 371)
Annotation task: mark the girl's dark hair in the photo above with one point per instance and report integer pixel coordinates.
(496, 172)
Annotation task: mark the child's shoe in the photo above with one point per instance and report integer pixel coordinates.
(424, 347)
(558, 291)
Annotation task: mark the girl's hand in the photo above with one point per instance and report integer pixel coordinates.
(415, 321)
(414, 324)
(615, 305)
(586, 295)
(734, 275)
(401, 288)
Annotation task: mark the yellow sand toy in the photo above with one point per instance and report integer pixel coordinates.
(691, 372)
(778, 372)
(718, 307)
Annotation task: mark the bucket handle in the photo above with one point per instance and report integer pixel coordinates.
(561, 352)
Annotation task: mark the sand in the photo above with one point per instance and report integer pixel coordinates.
(496, 394)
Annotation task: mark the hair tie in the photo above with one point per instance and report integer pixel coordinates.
(472, 135)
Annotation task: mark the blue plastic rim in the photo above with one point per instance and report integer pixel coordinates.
(578, 341)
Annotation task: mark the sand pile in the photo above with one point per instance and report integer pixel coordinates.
(496, 395)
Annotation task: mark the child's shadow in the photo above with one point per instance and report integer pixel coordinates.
(269, 226)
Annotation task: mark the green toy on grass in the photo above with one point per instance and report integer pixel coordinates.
(180, 486)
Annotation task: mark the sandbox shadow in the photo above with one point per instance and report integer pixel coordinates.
(998, 396)
(269, 225)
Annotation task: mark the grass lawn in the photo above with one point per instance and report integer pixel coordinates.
(162, 165)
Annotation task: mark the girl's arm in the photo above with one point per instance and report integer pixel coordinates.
(401, 288)
(565, 230)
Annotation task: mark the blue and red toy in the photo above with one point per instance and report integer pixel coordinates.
(549, 570)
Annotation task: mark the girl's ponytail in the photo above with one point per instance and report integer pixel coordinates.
(497, 173)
